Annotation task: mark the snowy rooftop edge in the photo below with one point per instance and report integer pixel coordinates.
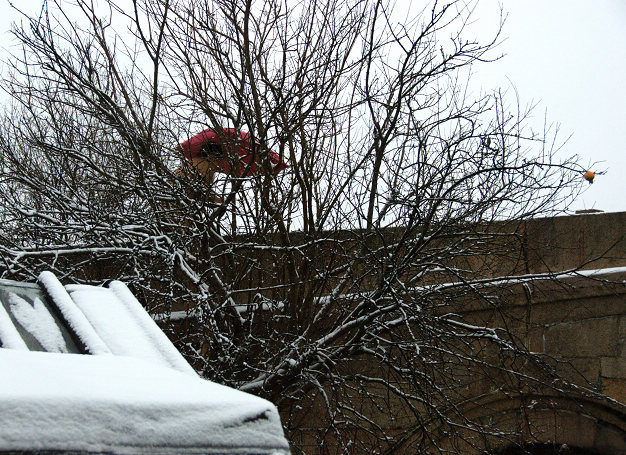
(125, 405)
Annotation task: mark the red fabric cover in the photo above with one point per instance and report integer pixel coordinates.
(245, 150)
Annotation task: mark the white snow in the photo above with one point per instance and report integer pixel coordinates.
(141, 397)
(77, 320)
(173, 316)
(8, 333)
(125, 332)
(38, 322)
(605, 271)
(158, 340)
(126, 405)
(112, 321)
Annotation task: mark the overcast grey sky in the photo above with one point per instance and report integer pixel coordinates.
(568, 57)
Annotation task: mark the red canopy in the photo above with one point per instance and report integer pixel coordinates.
(247, 148)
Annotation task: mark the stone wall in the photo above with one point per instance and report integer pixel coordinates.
(590, 241)
(576, 323)
(579, 324)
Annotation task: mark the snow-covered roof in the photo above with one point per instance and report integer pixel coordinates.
(134, 394)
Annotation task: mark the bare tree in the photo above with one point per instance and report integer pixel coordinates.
(325, 286)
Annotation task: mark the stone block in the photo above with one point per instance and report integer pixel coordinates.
(567, 427)
(615, 388)
(609, 441)
(535, 340)
(563, 310)
(614, 367)
(589, 338)
(582, 371)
